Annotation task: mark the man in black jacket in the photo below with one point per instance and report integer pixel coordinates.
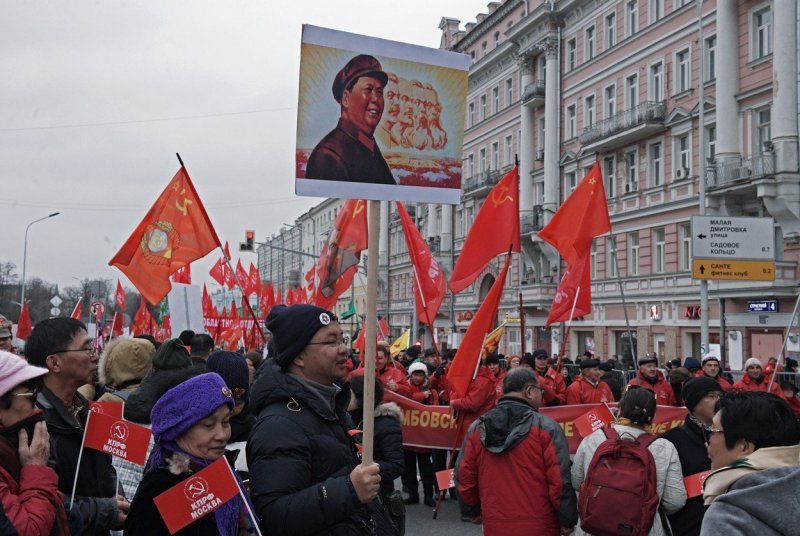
(63, 346)
(305, 473)
(700, 396)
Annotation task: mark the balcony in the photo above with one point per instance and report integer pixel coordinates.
(533, 94)
(740, 171)
(532, 221)
(624, 128)
(483, 179)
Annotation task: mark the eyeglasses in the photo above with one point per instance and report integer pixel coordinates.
(91, 350)
(716, 395)
(27, 394)
(709, 431)
(338, 343)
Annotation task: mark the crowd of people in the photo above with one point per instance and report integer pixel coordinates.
(289, 422)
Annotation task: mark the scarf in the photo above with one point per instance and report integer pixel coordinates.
(170, 456)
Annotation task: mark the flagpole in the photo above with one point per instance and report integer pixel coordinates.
(78, 465)
(427, 313)
(624, 306)
(521, 327)
(566, 331)
(243, 497)
(374, 231)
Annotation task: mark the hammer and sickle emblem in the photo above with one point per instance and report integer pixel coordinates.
(186, 202)
(359, 208)
(501, 196)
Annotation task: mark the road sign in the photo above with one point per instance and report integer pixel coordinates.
(55, 301)
(763, 306)
(721, 237)
(97, 308)
(733, 270)
(55, 311)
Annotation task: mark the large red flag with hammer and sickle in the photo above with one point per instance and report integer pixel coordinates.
(175, 232)
(495, 231)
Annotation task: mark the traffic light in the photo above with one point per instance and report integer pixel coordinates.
(249, 241)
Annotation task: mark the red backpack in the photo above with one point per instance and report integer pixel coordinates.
(619, 495)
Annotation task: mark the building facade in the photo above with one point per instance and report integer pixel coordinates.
(562, 85)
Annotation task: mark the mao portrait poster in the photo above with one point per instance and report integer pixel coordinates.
(379, 119)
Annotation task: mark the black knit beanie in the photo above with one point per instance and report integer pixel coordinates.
(171, 355)
(293, 327)
(696, 388)
(233, 369)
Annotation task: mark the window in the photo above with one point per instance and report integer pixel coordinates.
(483, 49)
(656, 82)
(633, 253)
(632, 167)
(683, 72)
(593, 261)
(470, 114)
(572, 51)
(509, 150)
(659, 253)
(496, 155)
(496, 99)
(656, 10)
(656, 162)
(470, 165)
(710, 58)
(611, 30)
(680, 3)
(711, 141)
(588, 111)
(611, 257)
(683, 153)
(540, 139)
(763, 129)
(496, 39)
(686, 246)
(570, 181)
(483, 107)
(590, 49)
(543, 67)
(509, 91)
(570, 130)
(609, 170)
(632, 90)
(762, 33)
(632, 17)
(611, 101)
(482, 159)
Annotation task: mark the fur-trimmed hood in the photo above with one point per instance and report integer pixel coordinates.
(125, 361)
(389, 409)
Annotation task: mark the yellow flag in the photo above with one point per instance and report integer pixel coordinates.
(493, 340)
(400, 343)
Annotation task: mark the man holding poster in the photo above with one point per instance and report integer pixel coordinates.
(349, 152)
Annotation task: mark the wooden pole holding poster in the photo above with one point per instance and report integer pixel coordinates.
(371, 323)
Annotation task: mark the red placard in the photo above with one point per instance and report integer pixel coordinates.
(445, 479)
(593, 420)
(197, 496)
(694, 483)
(117, 437)
(107, 407)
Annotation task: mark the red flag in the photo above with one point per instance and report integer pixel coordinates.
(429, 284)
(107, 407)
(576, 277)
(143, 321)
(254, 279)
(77, 312)
(116, 325)
(290, 296)
(580, 218)
(230, 282)
(175, 232)
(300, 295)
(208, 306)
(244, 279)
(119, 296)
(279, 297)
(267, 299)
(24, 326)
(217, 271)
(184, 275)
(468, 354)
(341, 254)
(197, 496)
(382, 332)
(117, 437)
(360, 344)
(311, 275)
(593, 420)
(494, 231)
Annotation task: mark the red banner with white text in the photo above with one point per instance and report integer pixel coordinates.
(435, 426)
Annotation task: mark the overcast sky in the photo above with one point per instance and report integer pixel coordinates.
(97, 97)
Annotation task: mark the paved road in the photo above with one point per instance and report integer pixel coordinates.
(419, 521)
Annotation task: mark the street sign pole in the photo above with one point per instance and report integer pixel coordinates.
(701, 103)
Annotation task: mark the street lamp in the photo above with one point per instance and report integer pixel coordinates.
(25, 255)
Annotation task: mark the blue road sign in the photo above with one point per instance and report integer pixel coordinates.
(763, 306)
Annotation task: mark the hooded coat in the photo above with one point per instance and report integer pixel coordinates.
(300, 457)
(746, 383)
(388, 442)
(514, 470)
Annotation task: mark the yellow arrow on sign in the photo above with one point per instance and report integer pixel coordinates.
(734, 270)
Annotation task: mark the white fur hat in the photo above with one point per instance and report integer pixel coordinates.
(417, 366)
(752, 362)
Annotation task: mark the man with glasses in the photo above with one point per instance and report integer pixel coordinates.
(64, 348)
(753, 446)
(514, 466)
(700, 396)
(305, 472)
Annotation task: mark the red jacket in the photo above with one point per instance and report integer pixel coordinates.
(498, 384)
(396, 374)
(583, 392)
(665, 396)
(28, 504)
(521, 480)
(723, 382)
(479, 399)
(794, 403)
(746, 383)
(417, 394)
(555, 388)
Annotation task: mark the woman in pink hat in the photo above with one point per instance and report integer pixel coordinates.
(28, 487)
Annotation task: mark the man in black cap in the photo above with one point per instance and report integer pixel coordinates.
(653, 380)
(305, 472)
(555, 388)
(349, 152)
(587, 388)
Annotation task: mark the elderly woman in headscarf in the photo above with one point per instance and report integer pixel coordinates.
(191, 426)
(28, 487)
